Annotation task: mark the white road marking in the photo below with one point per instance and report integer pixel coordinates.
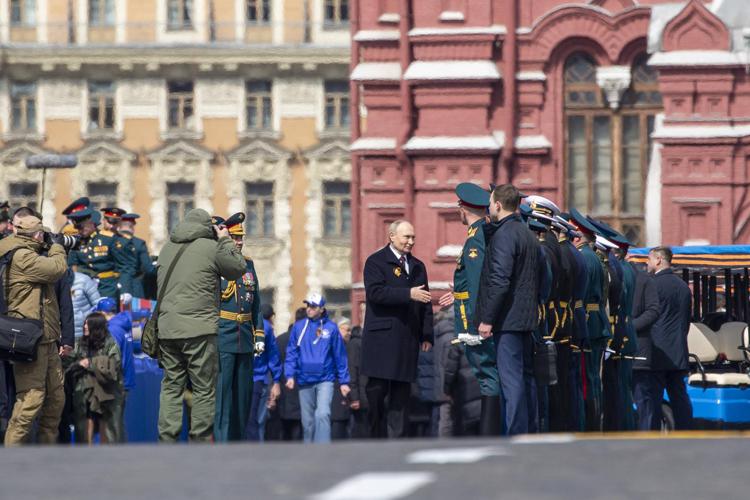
(377, 486)
(543, 439)
(455, 455)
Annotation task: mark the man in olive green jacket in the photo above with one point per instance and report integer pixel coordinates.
(31, 294)
(189, 321)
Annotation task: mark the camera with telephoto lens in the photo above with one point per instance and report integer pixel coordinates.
(68, 242)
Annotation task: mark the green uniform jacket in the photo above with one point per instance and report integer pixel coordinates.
(466, 279)
(106, 256)
(596, 315)
(29, 273)
(240, 297)
(190, 306)
(629, 345)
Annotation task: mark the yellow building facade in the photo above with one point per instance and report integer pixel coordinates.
(226, 105)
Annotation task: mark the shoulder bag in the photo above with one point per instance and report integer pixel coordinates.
(19, 337)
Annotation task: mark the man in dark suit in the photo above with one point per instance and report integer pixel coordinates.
(398, 322)
(507, 306)
(645, 313)
(669, 347)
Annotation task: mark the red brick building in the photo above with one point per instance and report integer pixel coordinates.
(637, 112)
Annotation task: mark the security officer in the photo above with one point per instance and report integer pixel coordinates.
(103, 254)
(473, 202)
(241, 336)
(597, 323)
(144, 265)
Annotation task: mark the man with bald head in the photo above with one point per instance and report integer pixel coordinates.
(398, 323)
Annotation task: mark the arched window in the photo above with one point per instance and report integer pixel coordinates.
(608, 151)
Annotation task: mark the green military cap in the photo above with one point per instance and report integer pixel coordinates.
(234, 224)
(581, 222)
(217, 220)
(537, 226)
(113, 212)
(472, 196)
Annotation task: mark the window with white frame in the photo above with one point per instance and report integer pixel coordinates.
(180, 200)
(101, 105)
(258, 11)
(101, 13)
(181, 99)
(337, 210)
(23, 106)
(23, 194)
(338, 303)
(179, 15)
(22, 13)
(258, 104)
(259, 209)
(336, 13)
(337, 104)
(102, 194)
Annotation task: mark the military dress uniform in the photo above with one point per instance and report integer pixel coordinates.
(108, 257)
(144, 265)
(481, 357)
(240, 330)
(597, 324)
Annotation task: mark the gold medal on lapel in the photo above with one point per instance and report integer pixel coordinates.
(397, 271)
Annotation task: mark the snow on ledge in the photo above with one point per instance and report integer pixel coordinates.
(496, 29)
(698, 58)
(452, 70)
(449, 250)
(701, 132)
(531, 76)
(532, 142)
(390, 17)
(451, 15)
(468, 143)
(376, 35)
(377, 71)
(373, 143)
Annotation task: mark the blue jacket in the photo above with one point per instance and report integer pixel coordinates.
(121, 329)
(270, 359)
(85, 296)
(316, 353)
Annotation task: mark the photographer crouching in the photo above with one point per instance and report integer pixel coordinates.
(30, 293)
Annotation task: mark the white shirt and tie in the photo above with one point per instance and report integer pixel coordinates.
(401, 257)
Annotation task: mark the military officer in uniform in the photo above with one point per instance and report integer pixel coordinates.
(597, 323)
(473, 202)
(103, 254)
(144, 265)
(240, 336)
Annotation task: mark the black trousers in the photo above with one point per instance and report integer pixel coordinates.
(360, 424)
(644, 400)
(673, 381)
(389, 408)
(559, 394)
(613, 411)
(339, 430)
(291, 430)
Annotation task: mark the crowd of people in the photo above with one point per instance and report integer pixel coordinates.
(547, 328)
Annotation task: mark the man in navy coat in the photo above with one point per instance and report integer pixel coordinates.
(398, 322)
(669, 347)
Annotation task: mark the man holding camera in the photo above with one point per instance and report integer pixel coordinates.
(31, 294)
(189, 320)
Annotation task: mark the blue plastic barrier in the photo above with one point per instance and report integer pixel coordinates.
(142, 406)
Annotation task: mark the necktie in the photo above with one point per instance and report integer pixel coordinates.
(402, 263)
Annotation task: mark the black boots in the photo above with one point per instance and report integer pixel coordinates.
(490, 423)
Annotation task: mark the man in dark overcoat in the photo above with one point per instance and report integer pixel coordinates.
(398, 323)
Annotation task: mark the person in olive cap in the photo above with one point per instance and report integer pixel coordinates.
(241, 336)
(472, 205)
(31, 279)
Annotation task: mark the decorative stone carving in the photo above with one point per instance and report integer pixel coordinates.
(177, 162)
(103, 161)
(696, 28)
(219, 98)
(62, 99)
(614, 81)
(140, 98)
(262, 161)
(301, 96)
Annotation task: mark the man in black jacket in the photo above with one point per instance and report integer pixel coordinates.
(645, 313)
(358, 382)
(669, 347)
(507, 307)
(398, 322)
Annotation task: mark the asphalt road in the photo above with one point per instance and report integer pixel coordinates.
(539, 467)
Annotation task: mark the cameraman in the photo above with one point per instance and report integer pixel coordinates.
(31, 294)
(189, 321)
